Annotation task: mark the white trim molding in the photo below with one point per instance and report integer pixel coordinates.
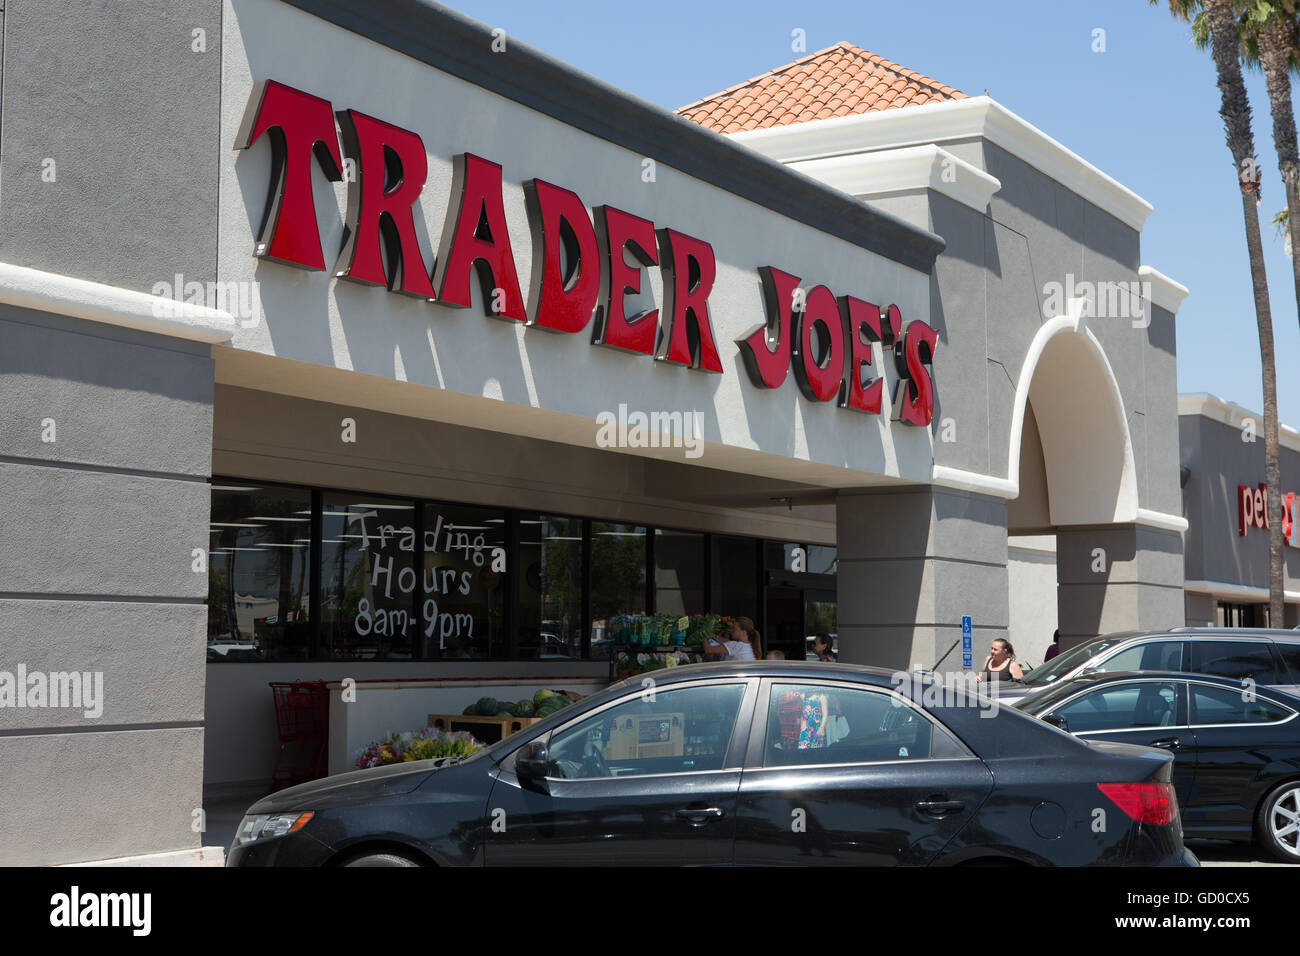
(889, 171)
(1161, 520)
(125, 308)
(1241, 592)
(1233, 415)
(976, 116)
(1165, 292)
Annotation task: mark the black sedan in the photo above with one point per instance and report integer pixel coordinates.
(1237, 746)
(761, 762)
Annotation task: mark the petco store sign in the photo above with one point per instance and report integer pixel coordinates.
(1252, 512)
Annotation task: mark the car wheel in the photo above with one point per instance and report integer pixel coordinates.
(381, 859)
(1278, 822)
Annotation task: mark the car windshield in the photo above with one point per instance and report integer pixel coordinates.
(1064, 663)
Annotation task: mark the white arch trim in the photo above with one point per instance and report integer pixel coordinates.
(1127, 510)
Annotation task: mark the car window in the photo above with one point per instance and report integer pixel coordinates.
(1066, 661)
(1235, 659)
(1150, 656)
(823, 723)
(679, 730)
(1221, 705)
(1122, 707)
(1291, 656)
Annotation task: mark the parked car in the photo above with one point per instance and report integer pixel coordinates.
(1236, 747)
(756, 762)
(1271, 658)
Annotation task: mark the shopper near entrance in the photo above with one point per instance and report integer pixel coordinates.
(1001, 664)
(1055, 648)
(743, 643)
(822, 647)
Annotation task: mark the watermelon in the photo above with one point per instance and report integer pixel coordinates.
(469, 711)
(524, 708)
(505, 709)
(486, 707)
(542, 695)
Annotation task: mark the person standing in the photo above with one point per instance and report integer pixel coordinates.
(1001, 664)
(744, 644)
(823, 647)
(1055, 648)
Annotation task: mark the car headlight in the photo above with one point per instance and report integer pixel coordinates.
(268, 826)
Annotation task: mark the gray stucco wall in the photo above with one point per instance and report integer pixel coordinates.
(988, 292)
(1219, 460)
(113, 102)
(96, 576)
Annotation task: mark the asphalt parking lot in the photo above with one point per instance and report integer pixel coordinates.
(1223, 853)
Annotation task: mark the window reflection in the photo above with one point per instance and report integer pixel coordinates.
(462, 585)
(368, 578)
(258, 573)
(550, 591)
(618, 577)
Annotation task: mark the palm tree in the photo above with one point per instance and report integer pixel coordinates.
(1218, 19)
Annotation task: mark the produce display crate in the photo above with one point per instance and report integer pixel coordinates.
(487, 729)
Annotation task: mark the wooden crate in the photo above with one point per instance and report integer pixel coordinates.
(487, 729)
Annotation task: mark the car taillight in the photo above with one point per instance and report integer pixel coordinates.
(1144, 802)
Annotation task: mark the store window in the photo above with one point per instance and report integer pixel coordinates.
(1242, 615)
(550, 589)
(462, 583)
(678, 731)
(259, 577)
(679, 572)
(733, 577)
(822, 559)
(618, 575)
(780, 556)
(368, 578)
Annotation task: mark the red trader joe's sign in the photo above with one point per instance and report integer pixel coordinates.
(580, 269)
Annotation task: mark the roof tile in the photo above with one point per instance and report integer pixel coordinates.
(838, 81)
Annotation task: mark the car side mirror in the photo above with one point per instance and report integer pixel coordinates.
(533, 762)
(1057, 721)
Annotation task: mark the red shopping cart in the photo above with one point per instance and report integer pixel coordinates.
(302, 721)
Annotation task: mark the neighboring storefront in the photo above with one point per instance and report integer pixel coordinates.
(432, 367)
(1227, 534)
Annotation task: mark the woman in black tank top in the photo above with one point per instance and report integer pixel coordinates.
(1001, 663)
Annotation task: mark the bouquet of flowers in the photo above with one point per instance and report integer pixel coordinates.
(426, 744)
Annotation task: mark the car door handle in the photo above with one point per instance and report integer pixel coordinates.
(700, 814)
(1171, 743)
(939, 807)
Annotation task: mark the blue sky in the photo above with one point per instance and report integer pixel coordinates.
(1145, 111)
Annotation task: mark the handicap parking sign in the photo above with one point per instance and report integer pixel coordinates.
(967, 659)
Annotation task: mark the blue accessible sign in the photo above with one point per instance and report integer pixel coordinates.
(967, 659)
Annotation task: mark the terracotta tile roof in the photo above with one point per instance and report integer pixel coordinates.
(838, 81)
